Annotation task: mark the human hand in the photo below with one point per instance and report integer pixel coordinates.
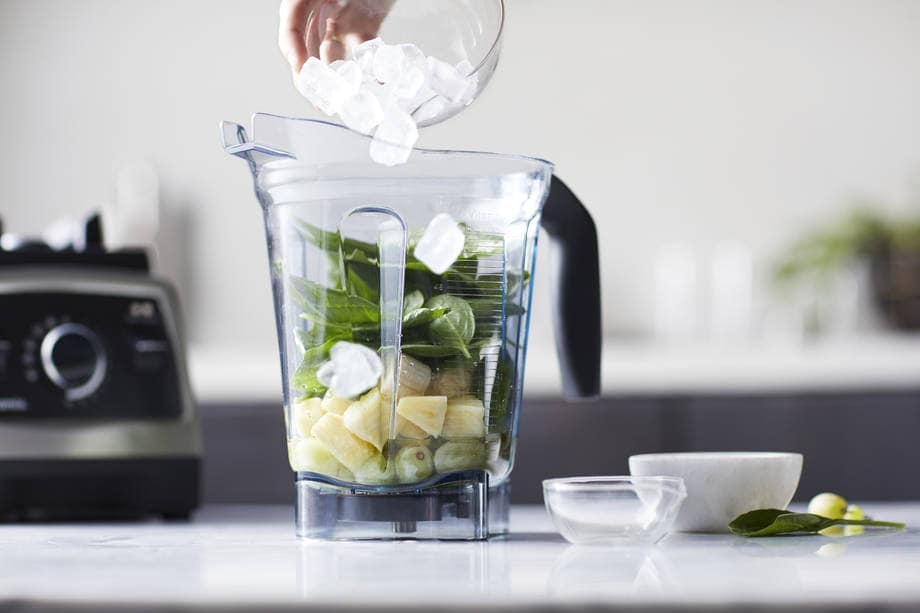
(326, 28)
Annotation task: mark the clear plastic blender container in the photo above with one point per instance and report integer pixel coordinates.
(427, 450)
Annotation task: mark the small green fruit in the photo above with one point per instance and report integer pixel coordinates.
(414, 464)
(828, 505)
(856, 513)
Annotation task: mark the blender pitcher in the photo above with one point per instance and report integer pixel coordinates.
(421, 443)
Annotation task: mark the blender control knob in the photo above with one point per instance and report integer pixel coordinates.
(74, 359)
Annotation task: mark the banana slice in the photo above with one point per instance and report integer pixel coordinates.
(414, 377)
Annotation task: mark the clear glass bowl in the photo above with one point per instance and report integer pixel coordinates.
(454, 31)
(614, 510)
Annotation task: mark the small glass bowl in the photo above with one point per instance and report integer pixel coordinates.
(614, 510)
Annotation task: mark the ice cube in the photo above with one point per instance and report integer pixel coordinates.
(362, 112)
(364, 53)
(394, 138)
(449, 82)
(413, 56)
(352, 369)
(408, 83)
(472, 81)
(430, 109)
(383, 93)
(388, 63)
(322, 86)
(441, 244)
(351, 72)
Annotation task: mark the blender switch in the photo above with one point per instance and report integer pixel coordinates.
(5, 348)
(150, 354)
(150, 346)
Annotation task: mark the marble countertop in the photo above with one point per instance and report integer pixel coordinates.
(248, 557)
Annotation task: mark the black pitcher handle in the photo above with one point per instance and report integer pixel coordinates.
(577, 286)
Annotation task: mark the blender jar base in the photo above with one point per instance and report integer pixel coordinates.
(463, 507)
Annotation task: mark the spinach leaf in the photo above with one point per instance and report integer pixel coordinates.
(500, 401)
(332, 241)
(304, 380)
(332, 305)
(422, 316)
(772, 522)
(454, 329)
(362, 276)
(413, 300)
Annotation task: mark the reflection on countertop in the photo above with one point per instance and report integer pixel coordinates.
(248, 556)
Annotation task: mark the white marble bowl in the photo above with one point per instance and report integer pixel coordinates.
(722, 485)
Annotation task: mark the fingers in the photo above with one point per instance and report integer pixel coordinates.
(314, 39)
(291, 26)
(332, 47)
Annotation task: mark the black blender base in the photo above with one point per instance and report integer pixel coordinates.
(460, 507)
(50, 490)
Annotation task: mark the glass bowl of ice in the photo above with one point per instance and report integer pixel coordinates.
(376, 63)
(614, 510)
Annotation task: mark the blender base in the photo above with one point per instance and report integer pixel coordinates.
(460, 507)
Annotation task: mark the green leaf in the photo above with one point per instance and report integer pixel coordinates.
(773, 522)
(413, 300)
(456, 328)
(332, 241)
(362, 276)
(305, 381)
(422, 316)
(500, 401)
(486, 309)
(332, 305)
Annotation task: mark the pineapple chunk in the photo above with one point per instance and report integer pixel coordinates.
(414, 377)
(309, 455)
(406, 429)
(464, 418)
(334, 404)
(347, 448)
(426, 412)
(307, 412)
(450, 382)
(363, 419)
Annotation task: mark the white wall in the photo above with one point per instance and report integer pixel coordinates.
(674, 120)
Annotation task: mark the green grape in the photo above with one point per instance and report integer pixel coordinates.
(828, 505)
(376, 471)
(460, 455)
(854, 512)
(414, 464)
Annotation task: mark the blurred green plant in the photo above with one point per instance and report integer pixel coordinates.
(824, 252)
(864, 233)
